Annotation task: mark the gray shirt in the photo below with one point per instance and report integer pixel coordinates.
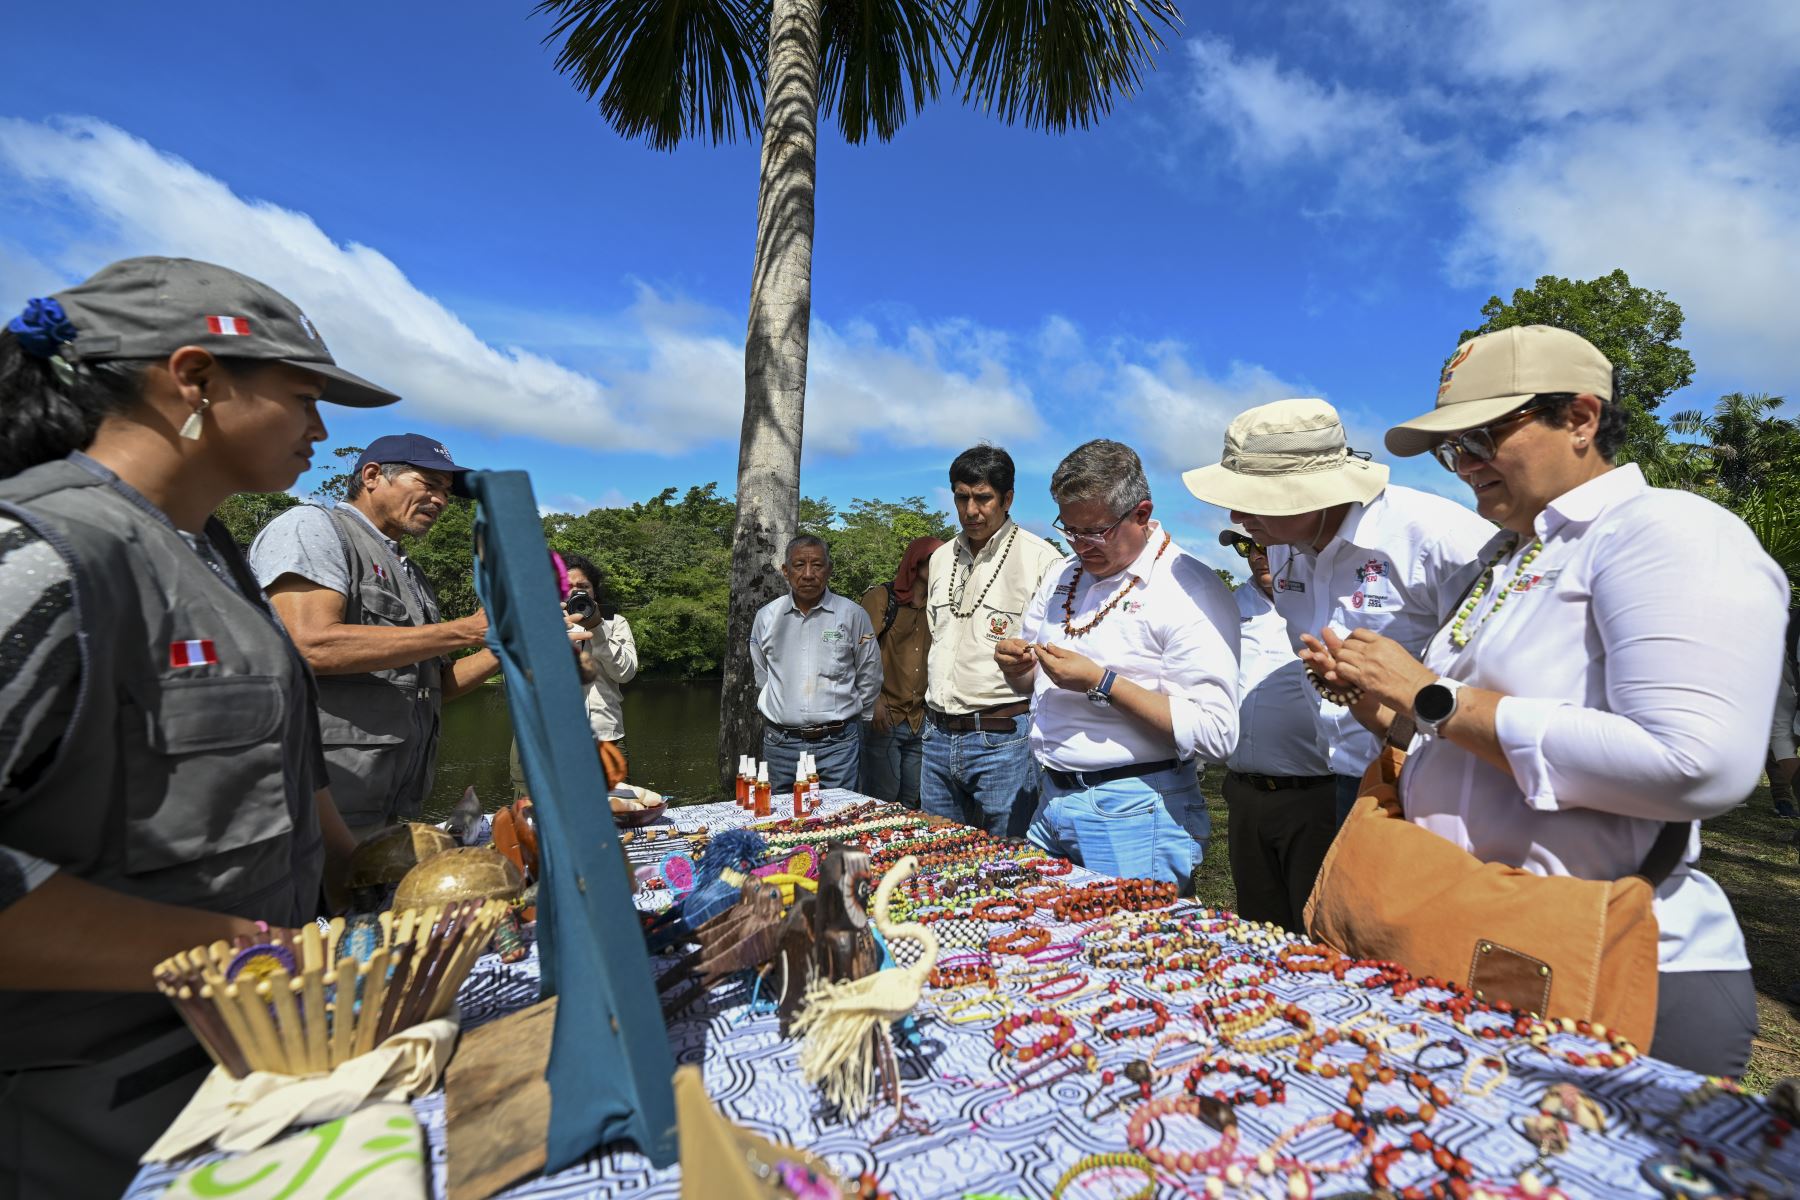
(305, 544)
(815, 667)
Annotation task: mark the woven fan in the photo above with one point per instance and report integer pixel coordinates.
(292, 1006)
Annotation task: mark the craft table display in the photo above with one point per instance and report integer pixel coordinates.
(1451, 1107)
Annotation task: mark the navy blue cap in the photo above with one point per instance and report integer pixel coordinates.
(415, 450)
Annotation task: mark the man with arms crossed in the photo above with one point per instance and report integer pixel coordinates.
(978, 767)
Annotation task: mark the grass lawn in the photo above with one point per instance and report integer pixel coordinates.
(1748, 851)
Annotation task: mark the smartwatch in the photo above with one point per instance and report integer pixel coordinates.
(1435, 704)
(1101, 693)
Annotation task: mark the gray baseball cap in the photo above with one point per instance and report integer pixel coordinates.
(151, 307)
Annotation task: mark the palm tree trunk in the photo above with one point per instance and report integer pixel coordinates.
(768, 484)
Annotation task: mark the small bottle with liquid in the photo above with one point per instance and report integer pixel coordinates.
(762, 789)
(814, 793)
(743, 781)
(800, 785)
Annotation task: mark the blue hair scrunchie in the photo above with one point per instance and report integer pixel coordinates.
(42, 327)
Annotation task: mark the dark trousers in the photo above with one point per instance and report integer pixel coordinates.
(1705, 1020)
(1347, 788)
(1277, 841)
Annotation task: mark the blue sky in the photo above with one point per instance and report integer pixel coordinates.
(1307, 199)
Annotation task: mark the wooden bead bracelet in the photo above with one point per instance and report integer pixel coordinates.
(1261, 1086)
(1621, 1050)
(1026, 939)
(1159, 1018)
(1183, 1162)
(1458, 1173)
(1061, 1033)
(1094, 1163)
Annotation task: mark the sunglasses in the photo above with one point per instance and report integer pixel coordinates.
(1480, 443)
(1245, 547)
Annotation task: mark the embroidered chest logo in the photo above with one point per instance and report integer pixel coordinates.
(1131, 606)
(1289, 585)
(834, 634)
(998, 624)
(1545, 581)
(1373, 570)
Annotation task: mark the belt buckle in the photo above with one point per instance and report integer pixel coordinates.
(1268, 784)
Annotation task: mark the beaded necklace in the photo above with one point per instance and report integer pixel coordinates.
(1068, 621)
(1459, 635)
(969, 573)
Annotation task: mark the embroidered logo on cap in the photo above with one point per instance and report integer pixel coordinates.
(308, 326)
(229, 326)
(196, 652)
(1457, 360)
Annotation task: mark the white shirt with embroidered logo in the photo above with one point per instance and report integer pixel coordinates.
(1638, 655)
(1176, 632)
(992, 587)
(813, 668)
(1384, 570)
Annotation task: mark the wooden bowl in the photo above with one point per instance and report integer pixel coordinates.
(292, 1004)
(634, 818)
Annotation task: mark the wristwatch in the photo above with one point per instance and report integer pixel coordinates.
(1435, 704)
(1101, 693)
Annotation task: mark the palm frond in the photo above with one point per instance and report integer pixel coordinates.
(1777, 526)
(1058, 63)
(664, 70)
(879, 61)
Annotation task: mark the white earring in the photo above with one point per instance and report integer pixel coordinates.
(1581, 441)
(190, 428)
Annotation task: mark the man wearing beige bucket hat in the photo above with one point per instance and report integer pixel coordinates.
(1347, 549)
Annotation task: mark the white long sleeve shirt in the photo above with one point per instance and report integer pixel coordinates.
(1278, 727)
(1175, 633)
(1384, 570)
(1637, 655)
(614, 651)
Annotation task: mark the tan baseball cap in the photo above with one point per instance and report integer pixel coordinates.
(1499, 372)
(1285, 458)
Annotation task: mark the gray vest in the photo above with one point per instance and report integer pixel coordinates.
(381, 728)
(187, 784)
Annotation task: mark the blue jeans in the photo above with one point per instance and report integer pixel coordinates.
(988, 780)
(836, 753)
(1145, 827)
(891, 763)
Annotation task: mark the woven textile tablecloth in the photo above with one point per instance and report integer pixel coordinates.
(1023, 1144)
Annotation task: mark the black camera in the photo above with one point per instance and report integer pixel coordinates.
(580, 605)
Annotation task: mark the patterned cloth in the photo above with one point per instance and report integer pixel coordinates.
(1024, 1144)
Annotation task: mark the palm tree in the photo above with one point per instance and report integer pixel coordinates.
(665, 70)
(1746, 446)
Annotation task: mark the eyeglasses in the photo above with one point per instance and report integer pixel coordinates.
(1091, 537)
(1245, 547)
(1480, 443)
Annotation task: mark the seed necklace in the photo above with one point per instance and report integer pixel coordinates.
(1460, 636)
(963, 591)
(1068, 621)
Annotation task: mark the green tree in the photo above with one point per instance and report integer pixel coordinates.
(247, 512)
(1635, 327)
(337, 486)
(664, 70)
(869, 540)
(1744, 449)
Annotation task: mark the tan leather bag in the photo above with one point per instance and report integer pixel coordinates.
(1547, 944)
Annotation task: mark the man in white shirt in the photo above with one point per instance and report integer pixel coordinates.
(1130, 652)
(978, 767)
(1279, 788)
(819, 671)
(1347, 549)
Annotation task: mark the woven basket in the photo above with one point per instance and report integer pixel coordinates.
(292, 1005)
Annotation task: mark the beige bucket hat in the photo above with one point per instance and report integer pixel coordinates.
(1498, 372)
(1285, 458)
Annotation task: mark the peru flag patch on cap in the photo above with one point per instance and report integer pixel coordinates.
(196, 653)
(230, 326)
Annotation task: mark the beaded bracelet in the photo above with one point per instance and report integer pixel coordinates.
(1098, 1162)
(1214, 1011)
(1062, 1032)
(1137, 1136)
(1359, 1132)
(1293, 1014)
(999, 908)
(1492, 1061)
(1050, 866)
(942, 976)
(1307, 958)
(1061, 952)
(1621, 1052)
(1261, 1087)
(1455, 1169)
(971, 1008)
(1045, 991)
(1346, 696)
(1385, 973)
(1026, 939)
(1159, 1018)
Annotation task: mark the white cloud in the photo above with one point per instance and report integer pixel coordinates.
(1651, 135)
(663, 376)
(1180, 411)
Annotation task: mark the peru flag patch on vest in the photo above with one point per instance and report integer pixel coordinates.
(197, 653)
(231, 326)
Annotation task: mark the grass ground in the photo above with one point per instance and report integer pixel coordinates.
(1748, 851)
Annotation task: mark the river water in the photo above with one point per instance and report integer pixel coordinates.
(671, 739)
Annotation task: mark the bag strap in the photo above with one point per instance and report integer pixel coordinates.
(893, 610)
(1665, 853)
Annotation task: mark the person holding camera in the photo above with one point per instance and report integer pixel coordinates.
(367, 622)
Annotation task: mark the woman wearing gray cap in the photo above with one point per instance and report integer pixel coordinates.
(1604, 678)
(160, 770)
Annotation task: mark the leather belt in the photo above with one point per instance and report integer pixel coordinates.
(1087, 779)
(813, 733)
(1280, 783)
(988, 720)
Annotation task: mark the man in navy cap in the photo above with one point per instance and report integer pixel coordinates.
(367, 622)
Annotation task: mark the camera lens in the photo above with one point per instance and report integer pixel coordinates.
(579, 604)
